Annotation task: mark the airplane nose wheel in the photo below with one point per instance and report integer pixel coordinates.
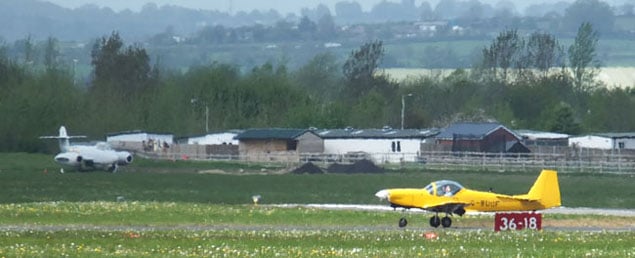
(435, 221)
(403, 222)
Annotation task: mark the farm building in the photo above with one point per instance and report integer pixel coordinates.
(139, 140)
(381, 145)
(215, 145)
(605, 141)
(544, 142)
(217, 138)
(480, 137)
(277, 144)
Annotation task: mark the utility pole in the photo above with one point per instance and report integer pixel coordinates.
(403, 107)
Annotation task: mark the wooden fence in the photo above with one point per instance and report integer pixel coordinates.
(579, 161)
(585, 162)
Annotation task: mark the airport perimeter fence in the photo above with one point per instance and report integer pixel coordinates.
(592, 162)
(579, 162)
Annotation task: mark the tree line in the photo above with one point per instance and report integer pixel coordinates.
(528, 82)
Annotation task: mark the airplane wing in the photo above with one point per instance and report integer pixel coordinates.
(445, 206)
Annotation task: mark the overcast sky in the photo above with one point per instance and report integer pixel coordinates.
(283, 6)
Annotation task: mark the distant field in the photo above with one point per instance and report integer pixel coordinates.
(611, 76)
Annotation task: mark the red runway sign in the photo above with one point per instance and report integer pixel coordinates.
(517, 221)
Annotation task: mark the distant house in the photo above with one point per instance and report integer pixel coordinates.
(538, 141)
(382, 145)
(605, 141)
(139, 140)
(480, 137)
(277, 144)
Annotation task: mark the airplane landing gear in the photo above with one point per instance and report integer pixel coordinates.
(446, 222)
(113, 168)
(403, 222)
(435, 221)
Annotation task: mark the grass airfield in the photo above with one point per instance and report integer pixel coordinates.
(170, 210)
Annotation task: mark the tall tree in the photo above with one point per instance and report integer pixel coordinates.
(503, 53)
(360, 67)
(582, 57)
(127, 70)
(51, 53)
(561, 119)
(320, 77)
(544, 52)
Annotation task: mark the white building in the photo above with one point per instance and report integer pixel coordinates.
(220, 138)
(605, 141)
(138, 140)
(385, 145)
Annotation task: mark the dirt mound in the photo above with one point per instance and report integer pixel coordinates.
(339, 168)
(366, 166)
(360, 166)
(308, 168)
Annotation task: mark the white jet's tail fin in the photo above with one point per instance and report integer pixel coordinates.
(63, 138)
(63, 133)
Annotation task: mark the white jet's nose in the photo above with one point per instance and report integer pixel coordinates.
(383, 194)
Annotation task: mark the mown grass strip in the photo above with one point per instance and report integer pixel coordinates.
(319, 243)
(180, 214)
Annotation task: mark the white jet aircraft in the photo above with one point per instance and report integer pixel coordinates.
(84, 158)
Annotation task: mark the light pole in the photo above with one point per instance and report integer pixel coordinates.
(74, 71)
(403, 107)
(194, 100)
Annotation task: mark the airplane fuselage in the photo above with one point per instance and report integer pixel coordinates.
(450, 197)
(84, 157)
(487, 201)
(89, 158)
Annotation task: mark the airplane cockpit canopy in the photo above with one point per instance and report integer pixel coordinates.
(103, 146)
(443, 188)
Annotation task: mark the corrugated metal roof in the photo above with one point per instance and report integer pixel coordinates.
(386, 133)
(271, 133)
(617, 135)
(531, 134)
(471, 130)
(234, 131)
(135, 132)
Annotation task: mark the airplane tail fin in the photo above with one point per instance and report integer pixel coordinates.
(64, 139)
(546, 189)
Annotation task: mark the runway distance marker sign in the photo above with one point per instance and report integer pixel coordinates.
(517, 221)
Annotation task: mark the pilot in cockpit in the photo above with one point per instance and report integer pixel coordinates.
(447, 190)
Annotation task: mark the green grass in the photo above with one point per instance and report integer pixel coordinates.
(316, 243)
(179, 214)
(34, 178)
(137, 229)
(173, 211)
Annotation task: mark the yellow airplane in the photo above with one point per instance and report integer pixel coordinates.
(450, 197)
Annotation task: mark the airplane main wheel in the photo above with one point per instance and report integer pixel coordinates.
(446, 222)
(403, 222)
(435, 221)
